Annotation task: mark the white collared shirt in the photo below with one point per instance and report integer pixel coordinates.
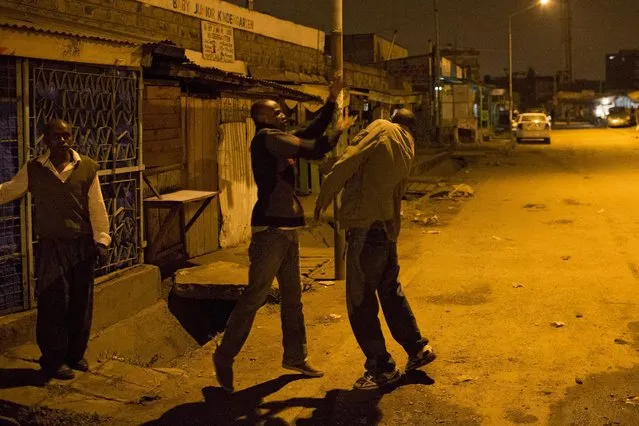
(19, 185)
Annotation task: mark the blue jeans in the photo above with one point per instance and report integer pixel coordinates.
(372, 271)
(272, 253)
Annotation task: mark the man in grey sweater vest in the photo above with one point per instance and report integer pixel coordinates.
(72, 226)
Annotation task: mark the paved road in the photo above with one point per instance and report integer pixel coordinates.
(560, 220)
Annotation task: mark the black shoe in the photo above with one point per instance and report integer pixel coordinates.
(63, 372)
(370, 381)
(223, 372)
(425, 356)
(81, 365)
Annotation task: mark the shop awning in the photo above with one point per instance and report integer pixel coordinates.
(51, 41)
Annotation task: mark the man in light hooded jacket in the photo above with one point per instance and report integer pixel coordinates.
(373, 173)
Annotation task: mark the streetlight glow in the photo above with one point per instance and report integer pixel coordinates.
(544, 2)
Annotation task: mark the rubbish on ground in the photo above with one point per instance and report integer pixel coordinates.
(335, 316)
(496, 238)
(457, 191)
(579, 380)
(433, 232)
(632, 400)
(117, 358)
(518, 285)
(327, 283)
(579, 315)
(601, 211)
(621, 342)
(557, 324)
(566, 257)
(464, 379)
(535, 206)
(432, 221)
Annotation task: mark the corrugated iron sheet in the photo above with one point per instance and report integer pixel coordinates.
(62, 30)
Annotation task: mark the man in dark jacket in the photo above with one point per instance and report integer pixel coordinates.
(72, 225)
(274, 249)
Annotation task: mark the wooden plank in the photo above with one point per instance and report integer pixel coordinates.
(161, 121)
(161, 92)
(162, 134)
(181, 197)
(161, 106)
(163, 158)
(172, 145)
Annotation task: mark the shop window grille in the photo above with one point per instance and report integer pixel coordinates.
(11, 263)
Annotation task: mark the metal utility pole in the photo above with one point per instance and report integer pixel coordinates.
(250, 5)
(438, 72)
(337, 61)
(566, 24)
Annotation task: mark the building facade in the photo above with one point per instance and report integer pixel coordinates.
(622, 70)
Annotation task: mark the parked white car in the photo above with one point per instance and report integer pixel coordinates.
(533, 126)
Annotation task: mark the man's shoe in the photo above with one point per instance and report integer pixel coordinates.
(63, 372)
(305, 368)
(81, 365)
(423, 357)
(223, 372)
(371, 381)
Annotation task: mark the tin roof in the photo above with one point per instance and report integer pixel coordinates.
(55, 28)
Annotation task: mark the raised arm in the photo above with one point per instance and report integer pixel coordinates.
(285, 145)
(16, 187)
(318, 126)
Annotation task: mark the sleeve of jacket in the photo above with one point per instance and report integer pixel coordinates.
(285, 145)
(344, 169)
(16, 187)
(318, 126)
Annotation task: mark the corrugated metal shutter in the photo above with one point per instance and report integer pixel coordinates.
(239, 192)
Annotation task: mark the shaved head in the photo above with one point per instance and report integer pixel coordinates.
(405, 117)
(268, 113)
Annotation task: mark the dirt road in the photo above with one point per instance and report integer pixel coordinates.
(550, 236)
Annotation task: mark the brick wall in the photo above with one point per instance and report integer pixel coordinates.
(415, 68)
(135, 20)
(276, 55)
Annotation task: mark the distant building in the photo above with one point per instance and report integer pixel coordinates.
(622, 70)
(465, 58)
(534, 91)
(367, 49)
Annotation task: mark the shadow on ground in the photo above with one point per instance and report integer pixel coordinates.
(19, 377)
(247, 407)
(202, 319)
(602, 399)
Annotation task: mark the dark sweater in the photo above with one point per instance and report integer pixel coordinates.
(273, 155)
(62, 208)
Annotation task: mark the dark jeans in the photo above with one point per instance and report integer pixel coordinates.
(272, 253)
(372, 271)
(65, 299)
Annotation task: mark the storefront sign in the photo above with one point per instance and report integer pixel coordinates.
(232, 15)
(217, 42)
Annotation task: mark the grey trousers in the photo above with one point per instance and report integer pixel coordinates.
(372, 271)
(272, 253)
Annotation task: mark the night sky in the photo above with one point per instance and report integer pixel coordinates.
(599, 27)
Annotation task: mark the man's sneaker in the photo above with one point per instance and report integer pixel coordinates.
(223, 372)
(423, 357)
(63, 372)
(81, 365)
(305, 368)
(371, 381)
